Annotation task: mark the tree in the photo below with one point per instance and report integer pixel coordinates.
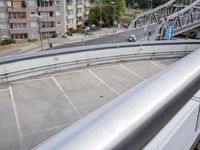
(107, 12)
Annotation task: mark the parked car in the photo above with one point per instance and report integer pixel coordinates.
(132, 38)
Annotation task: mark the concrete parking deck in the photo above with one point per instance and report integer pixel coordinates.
(34, 109)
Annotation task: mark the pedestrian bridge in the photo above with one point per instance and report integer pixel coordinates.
(46, 92)
(183, 15)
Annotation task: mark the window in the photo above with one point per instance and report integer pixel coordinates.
(9, 3)
(70, 21)
(17, 25)
(33, 24)
(3, 26)
(33, 36)
(31, 3)
(32, 14)
(1, 4)
(2, 15)
(57, 2)
(17, 15)
(4, 37)
(58, 22)
(70, 12)
(57, 13)
(19, 36)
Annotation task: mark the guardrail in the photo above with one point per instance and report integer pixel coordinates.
(21, 66)
(135, 117)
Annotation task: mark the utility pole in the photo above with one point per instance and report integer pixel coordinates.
(47, 5)
(100, 23)
(113, 3)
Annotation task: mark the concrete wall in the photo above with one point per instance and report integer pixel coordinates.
(30, 67)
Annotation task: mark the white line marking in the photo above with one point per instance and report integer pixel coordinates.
(66, 96)
(104, 82)
(139, 76)
(157, 65)
(31, 80)
(68, 72)
(105, 67)
(16, 117)
(4, 90)
(82, 70)
(48, 129)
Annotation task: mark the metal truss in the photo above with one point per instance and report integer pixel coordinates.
(153, 16)
(186, 19)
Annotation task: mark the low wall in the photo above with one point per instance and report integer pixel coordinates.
(21, 66)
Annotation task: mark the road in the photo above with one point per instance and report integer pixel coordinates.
(118, 38)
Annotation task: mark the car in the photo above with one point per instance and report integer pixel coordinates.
(132, 38)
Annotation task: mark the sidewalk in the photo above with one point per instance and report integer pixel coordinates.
(77, 37)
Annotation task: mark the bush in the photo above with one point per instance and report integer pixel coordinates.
(8, 41)
(54, 35)
(78, 30)
(32, 40)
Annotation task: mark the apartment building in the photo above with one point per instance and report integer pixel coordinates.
(28, 19)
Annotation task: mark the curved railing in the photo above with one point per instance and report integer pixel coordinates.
(21, 66)
(135, 117)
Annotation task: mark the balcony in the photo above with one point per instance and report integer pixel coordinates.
(87, 4)
(17, 20)
(79, 23)
(52, 29)
(70, 16)
(69, 7)
(79, 14)
(49, 8)
(47, 19)
(79, 6)
(18, 31)
(71, 25)
(87, 12)
(16, 9)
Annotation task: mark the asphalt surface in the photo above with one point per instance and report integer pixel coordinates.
(117, 38)
(34, 109)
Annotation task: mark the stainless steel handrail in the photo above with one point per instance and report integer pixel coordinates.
(130, 121)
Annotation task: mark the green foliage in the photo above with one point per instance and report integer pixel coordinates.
(78, 30)
(8, 41)
(54, 35)
(107, 12)
(145, 3)
(32, 40)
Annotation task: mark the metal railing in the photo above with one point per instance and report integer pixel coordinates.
(133, 119)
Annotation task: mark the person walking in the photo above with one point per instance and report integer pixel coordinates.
(147, 32)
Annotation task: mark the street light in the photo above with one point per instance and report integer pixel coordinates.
(38, 16)
(100, 23)
(113, 3)
(47, 4)
(150, 4)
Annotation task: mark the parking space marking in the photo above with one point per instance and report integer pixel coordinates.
(47, 129)
(19, 130)
(105, 67)
(66, 96)
(31, 80)
(4, 90)
(68, 72)
(157, 65)
(103, 82)
(139, 76)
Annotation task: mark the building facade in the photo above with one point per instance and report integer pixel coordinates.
(30, 19)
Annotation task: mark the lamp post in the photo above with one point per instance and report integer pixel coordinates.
(47, 4)
(41, 44)
(150, 4)
(100, 23)
(113, 3)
